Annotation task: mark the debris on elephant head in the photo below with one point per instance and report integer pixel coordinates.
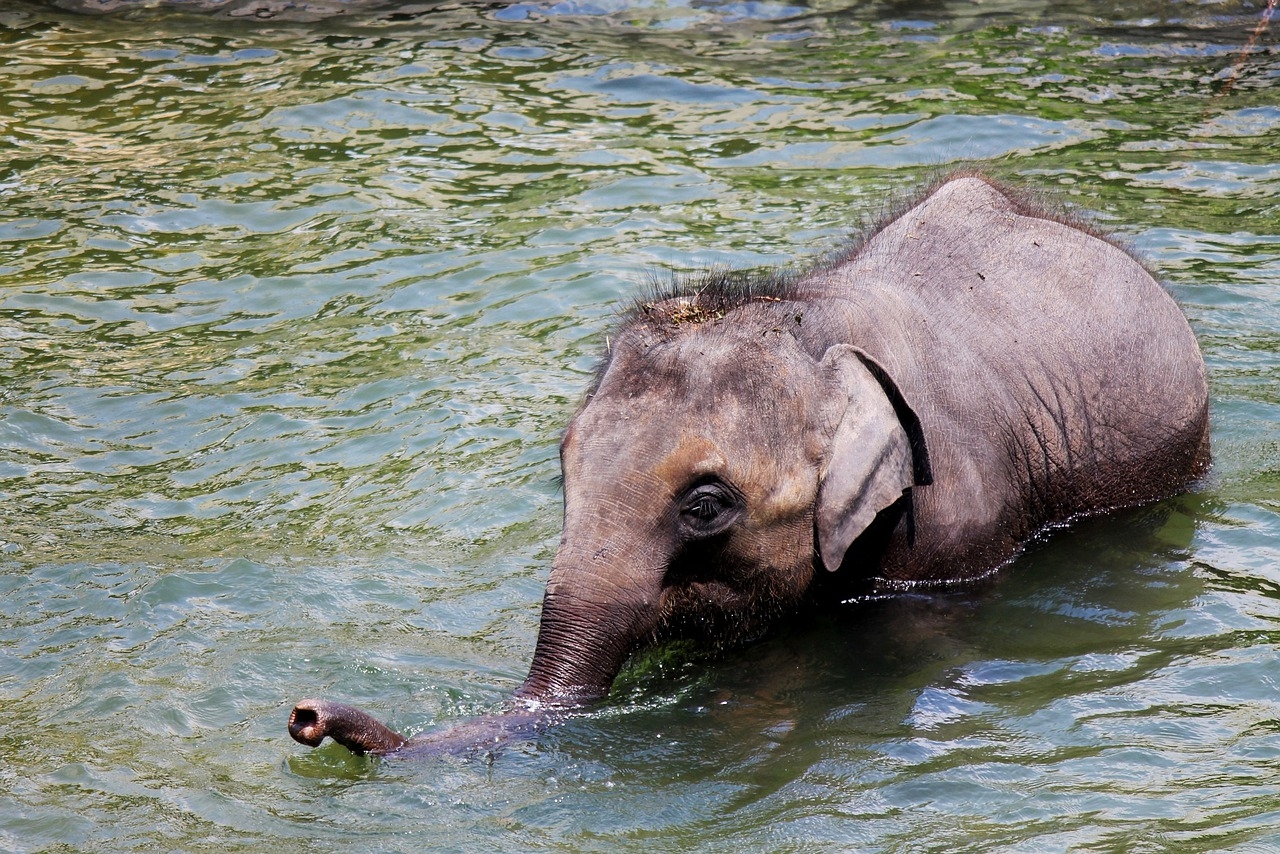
(681, 310)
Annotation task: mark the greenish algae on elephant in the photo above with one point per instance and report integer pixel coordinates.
(908, 413)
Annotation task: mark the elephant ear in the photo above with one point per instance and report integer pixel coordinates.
(869, 464)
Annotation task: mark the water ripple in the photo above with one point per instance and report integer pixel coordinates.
(291, 317)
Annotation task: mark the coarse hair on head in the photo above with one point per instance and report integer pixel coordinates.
(672, 303)
(678, 299)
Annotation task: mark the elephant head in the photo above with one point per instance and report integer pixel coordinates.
(721, 458)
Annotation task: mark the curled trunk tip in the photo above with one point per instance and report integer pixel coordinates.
(311, 721)
(314, 720)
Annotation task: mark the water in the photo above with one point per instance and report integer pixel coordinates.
(291, 315)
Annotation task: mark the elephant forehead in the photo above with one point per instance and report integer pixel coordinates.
(711, 365)
(734, 402)
(651, 445)
(646, 462)
(774, 479)
(691, 457)
(727, 406)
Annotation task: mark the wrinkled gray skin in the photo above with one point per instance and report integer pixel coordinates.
(910, 413)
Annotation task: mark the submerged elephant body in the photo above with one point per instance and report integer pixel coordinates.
(909, 413)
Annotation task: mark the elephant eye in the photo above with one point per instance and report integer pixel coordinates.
(708, 509)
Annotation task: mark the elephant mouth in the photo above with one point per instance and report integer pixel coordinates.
(711, 610)
(728, 610)
(705, 593)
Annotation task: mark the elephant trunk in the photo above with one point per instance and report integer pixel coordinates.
(312, 720)
(571, 665)
(590, 626)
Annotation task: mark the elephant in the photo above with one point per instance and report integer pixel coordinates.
(907, 413)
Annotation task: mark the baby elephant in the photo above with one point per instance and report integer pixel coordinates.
(907, 413)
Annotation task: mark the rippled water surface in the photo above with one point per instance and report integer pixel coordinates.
(292, 313)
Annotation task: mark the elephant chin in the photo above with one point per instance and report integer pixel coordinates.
(313, 720)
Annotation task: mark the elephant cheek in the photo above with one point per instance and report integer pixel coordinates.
(785, 556)
(787, 493)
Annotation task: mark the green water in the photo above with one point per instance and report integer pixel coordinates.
(291, 315)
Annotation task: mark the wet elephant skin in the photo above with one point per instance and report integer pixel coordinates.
(907, 413)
